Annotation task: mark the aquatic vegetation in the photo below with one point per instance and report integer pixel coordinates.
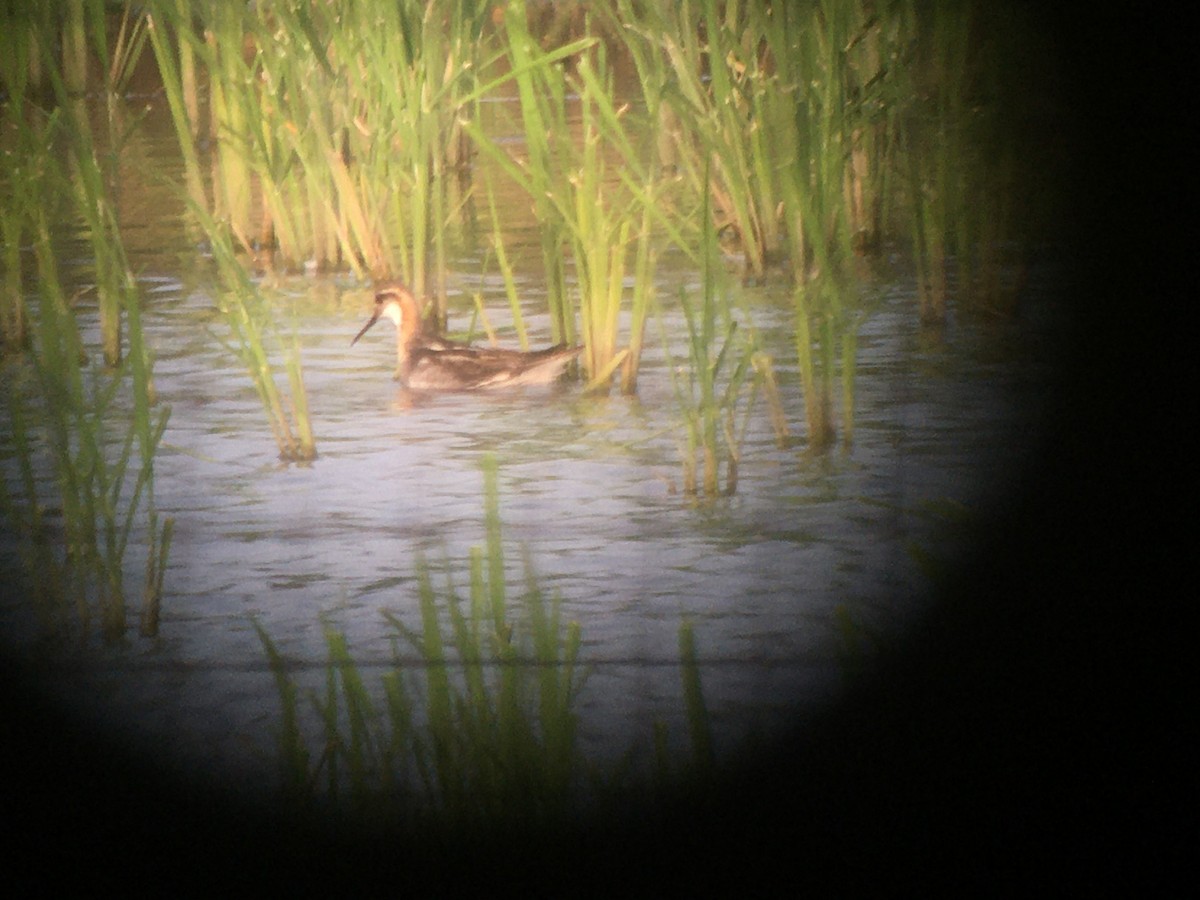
(815, 129)
(21, 177)
(74, 427)
(704, 129)
(542, 94)
(250, 318)
(257, 342)
(506, 271)
(934, 176)
(92, 169)
(828, 55)
(604, 221)
(346, 133)
(967, 149)
(709, 389)
(479, 728)
(708, 393)
(591, 193)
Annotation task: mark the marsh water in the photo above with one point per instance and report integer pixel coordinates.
(814, 555)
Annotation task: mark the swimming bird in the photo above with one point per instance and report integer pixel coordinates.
(429, 362)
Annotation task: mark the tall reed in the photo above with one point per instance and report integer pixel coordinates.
(480, 731)
(829, 56)
(719, 363)
(293, 753)
(337, 117)
(65, 65)
(609, 219)
(256, 341)
(19, 69)
(178, 81)
(20, 186)
(974, 68)
(931, 143)
(692, 59)
(592, 193)
(543, 173)
(82, 424)
(250, 318)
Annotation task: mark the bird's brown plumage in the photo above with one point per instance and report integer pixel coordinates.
(426, 361)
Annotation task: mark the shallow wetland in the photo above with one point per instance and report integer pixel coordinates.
(823, 549)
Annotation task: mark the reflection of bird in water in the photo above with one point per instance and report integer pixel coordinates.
(432, 363)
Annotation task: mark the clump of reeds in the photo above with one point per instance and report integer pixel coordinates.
(810, 126)
(932, 145)
(341, 122)
(257, 342)
(91, 171)
(75, 426)
(542, 94)
(706, 417)
(708, 394)
(21, 162)
(967, 149)
(755, 118)
(827, 59)
(478, 729)
(250, 318)
(592, 193)
(609, 223)
(720, 360)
